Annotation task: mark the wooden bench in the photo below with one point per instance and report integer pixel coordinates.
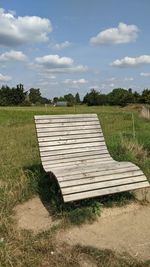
(73, 148)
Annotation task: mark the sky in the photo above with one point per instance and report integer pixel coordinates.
(63, 46)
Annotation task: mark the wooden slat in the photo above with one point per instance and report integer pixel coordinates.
(96, 168)
(105, 184)
(73, 141)
(63, 124)
(96, 179)
(72, 146)
(69, 133)
(105, 191)
(68, 128)
(74, 156)
(90, 158)
(76, 161)
(100, 173)
(91, 115)
(101, 150)
(70, 137)
(76, 165)
(66, 120)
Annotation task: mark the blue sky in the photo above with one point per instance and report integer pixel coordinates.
(63, 46)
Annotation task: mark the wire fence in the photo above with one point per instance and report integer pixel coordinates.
(118, 125)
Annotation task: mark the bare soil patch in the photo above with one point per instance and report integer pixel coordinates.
(120, 229)
(32, 215)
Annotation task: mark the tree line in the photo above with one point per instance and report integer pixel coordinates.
(119, 96)
(18, 96)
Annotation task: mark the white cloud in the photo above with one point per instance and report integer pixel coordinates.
(60, 46)
(122, 34)
(54, 61)
(75, 82)
(131, 61)
(16, 31)
(12, 56)
(4, 78)
(145, 74)
(57, 64)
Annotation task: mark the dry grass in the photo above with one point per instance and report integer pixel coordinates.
(135, 149)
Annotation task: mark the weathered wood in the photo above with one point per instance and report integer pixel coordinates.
(105, 191)
(110, 183)
(77, 185)
(73, 141)
(101, 150)
(69, 133)
(96, 175)
(76, 162)
(74, 156)
(73, 148)
(68, 116)
(87, 169)
(68, 128)
(66, 124)
(70, 137)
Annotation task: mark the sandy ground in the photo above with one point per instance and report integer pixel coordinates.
(32, 215)
(121, 229)
(125, 229)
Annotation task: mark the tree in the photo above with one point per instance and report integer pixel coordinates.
(136, 97)
(85, 99)
(120, 96)
(77, 98)
(12, 96)
(146, 96)
(70, 99)
(35, 95)
(92, 97)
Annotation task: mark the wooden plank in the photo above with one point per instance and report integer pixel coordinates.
(105, 191)
(76, 164)
(70, 133)
(66, 120)
(72, 160)
(75, 161)
(68, 128)
(90, 115)
(101, 150)
(72, 146)
(86, 170)
(68, 137)
(100, 178)
(73, 141)
(104, 184)
(100, 173)
(74, 156)
(64, 124)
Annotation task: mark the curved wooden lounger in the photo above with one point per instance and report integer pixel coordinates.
(73, 148)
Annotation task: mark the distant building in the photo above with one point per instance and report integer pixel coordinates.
(60, 104)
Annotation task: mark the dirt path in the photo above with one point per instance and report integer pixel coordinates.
(121, 229)
(125, 229)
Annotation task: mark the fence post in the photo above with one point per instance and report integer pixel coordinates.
(133, 125)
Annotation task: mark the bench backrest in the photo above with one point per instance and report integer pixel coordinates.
(64, 138)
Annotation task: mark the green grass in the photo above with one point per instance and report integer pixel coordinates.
(22, 176)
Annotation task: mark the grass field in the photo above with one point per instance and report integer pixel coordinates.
(21, 177)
